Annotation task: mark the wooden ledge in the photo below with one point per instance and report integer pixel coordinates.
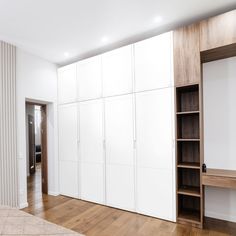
(219, 178)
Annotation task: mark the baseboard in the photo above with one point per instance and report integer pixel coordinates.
(230, 218)
(52, 193)
(23, 205)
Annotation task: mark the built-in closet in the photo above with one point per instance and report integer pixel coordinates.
(116, 128)
(131, 124)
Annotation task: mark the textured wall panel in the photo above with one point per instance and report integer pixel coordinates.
(8, 161)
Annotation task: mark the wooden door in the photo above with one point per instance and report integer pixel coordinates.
(44, 160)
(187, 66)
(31, 135)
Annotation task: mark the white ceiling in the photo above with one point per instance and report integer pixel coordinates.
(63, 31)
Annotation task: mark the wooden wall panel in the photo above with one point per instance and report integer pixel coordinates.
(218, 31)
(187, 66)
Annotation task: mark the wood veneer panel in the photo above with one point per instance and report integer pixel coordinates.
(219, 53)
(187, 66)
(218, 31)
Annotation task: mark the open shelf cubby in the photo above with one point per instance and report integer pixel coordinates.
(189, 208)
(188, 154)
(189, 181)
(188, 141)
(187, 98)
(188, 126)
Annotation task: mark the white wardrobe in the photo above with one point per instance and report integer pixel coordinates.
(116, 128)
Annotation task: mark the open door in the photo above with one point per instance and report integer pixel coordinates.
(36, 118)
(31, 133)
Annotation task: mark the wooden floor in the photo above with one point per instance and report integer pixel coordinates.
(97, 220)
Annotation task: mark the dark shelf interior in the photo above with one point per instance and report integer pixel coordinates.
(187, 98)
(188, 153)
(188, 178)
(189, 208)
(188, 126)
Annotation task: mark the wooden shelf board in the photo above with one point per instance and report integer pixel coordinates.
(189, 165)
(190, 216)
(187, 112)
(189, 191)
(188, 140)
(219, 178)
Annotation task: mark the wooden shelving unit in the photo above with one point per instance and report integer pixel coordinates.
(188, 143)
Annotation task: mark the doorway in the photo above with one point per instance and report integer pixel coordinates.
(36, 148)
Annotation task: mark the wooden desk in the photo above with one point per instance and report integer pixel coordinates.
(219, 178)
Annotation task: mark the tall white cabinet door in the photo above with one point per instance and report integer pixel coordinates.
(155, 195)
(117, 71)
(68, 178)
(155, 153)
(68, 149)
(67, 84)
(155, 120)
(67, 132)
(92, 150)
(119, 134)
(154, 63)
(89, 75)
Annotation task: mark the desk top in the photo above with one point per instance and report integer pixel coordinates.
(220, 173)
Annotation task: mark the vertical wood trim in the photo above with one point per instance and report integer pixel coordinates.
(44, 149)
(8, 160)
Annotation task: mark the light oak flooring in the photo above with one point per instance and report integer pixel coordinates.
(97, 220)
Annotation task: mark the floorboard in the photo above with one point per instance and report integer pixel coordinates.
(97, 220)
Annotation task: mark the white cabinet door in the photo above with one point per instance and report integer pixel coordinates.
(155, 153)
(67, 84)
(155, 196)
(119, 133)
(89, 78)
(119, 130)
(154, 63)
(91, 131)
(155, 121)
(120, 186)
(67, 132)
(92, 182)
(68, 178)
(92, 151)
(117, 71)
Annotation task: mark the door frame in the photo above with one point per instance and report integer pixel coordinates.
(44, 148)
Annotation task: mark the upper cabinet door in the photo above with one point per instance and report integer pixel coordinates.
(117, 71)
(91, 131)
(67, 123)
(67, 84)
(154, 122)
(187, 65)
(89, 78)
(218, 31)
(154, 63)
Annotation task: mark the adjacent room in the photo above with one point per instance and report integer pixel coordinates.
(117, 118)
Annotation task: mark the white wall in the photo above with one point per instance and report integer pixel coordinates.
(219, 85)
(36, 79)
